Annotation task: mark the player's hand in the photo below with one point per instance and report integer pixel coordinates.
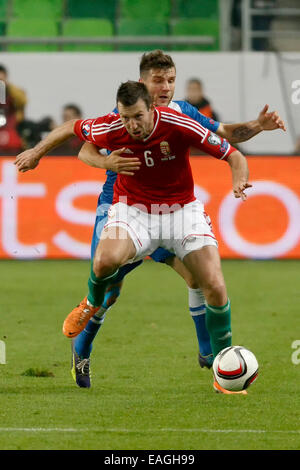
(270, 121)
(123, 165)
(239, 189)
(27, 160)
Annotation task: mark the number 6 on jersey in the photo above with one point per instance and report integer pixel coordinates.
(149, 160)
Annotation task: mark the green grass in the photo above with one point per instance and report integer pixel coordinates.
(148, 391)
(31, 372)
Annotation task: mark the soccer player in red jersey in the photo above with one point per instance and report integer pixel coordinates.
(158, 72)
(156, 206)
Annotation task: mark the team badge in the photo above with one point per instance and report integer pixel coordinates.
(214, 139)
(86, 127)
(165, 148)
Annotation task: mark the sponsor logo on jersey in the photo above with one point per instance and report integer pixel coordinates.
(127, 151)
(165, 148)
(214, 139)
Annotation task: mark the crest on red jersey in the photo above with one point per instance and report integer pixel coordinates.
(165, 148)
(214, 139)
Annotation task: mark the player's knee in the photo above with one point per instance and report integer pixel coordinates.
(179, 267)
(105, 264)
(192, 283)
(190, 280)
(215, 292)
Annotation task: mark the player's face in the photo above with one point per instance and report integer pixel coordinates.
(161, 85)
(137, 119)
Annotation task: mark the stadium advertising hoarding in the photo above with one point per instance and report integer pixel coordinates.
(50, 212)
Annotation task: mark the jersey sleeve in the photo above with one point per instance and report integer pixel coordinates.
(195, 135)
(216, 146)
(89, 130)
(192, 112)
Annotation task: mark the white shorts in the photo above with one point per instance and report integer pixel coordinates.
(181, 232)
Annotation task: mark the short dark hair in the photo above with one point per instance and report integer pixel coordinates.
(155, 60)
(195, 80)
(130, 92)
(74, 108)
(3, 69)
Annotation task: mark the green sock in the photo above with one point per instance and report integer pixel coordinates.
(218, 325)
(97, 287)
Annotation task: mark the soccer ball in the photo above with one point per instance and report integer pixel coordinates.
(235, 368)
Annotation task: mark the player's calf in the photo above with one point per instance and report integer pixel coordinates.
(84, 341)
(77, 320)
(218, 323)
(111, 295)
(206, 268)
(110, 254)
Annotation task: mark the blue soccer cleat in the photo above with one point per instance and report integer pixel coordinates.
(80, 369)
(205, 361)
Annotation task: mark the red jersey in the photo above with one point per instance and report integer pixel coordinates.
(165, 175)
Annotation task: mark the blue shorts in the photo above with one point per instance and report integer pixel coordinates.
(160, 255)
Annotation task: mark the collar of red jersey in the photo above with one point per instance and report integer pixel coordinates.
(155, 125)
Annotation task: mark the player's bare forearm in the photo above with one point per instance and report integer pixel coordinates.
(236, 133)
(89, 154)
(240, 132)
(56, 137)
(30, 158)
(240, 174)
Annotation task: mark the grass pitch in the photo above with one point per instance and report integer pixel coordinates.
(148, 391)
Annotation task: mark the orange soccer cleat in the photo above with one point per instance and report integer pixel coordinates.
(77, 320)
(220, 389)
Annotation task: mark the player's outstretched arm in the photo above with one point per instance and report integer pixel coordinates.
(89, 154)
(30, 158)
(240, 174)
(266, 121)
